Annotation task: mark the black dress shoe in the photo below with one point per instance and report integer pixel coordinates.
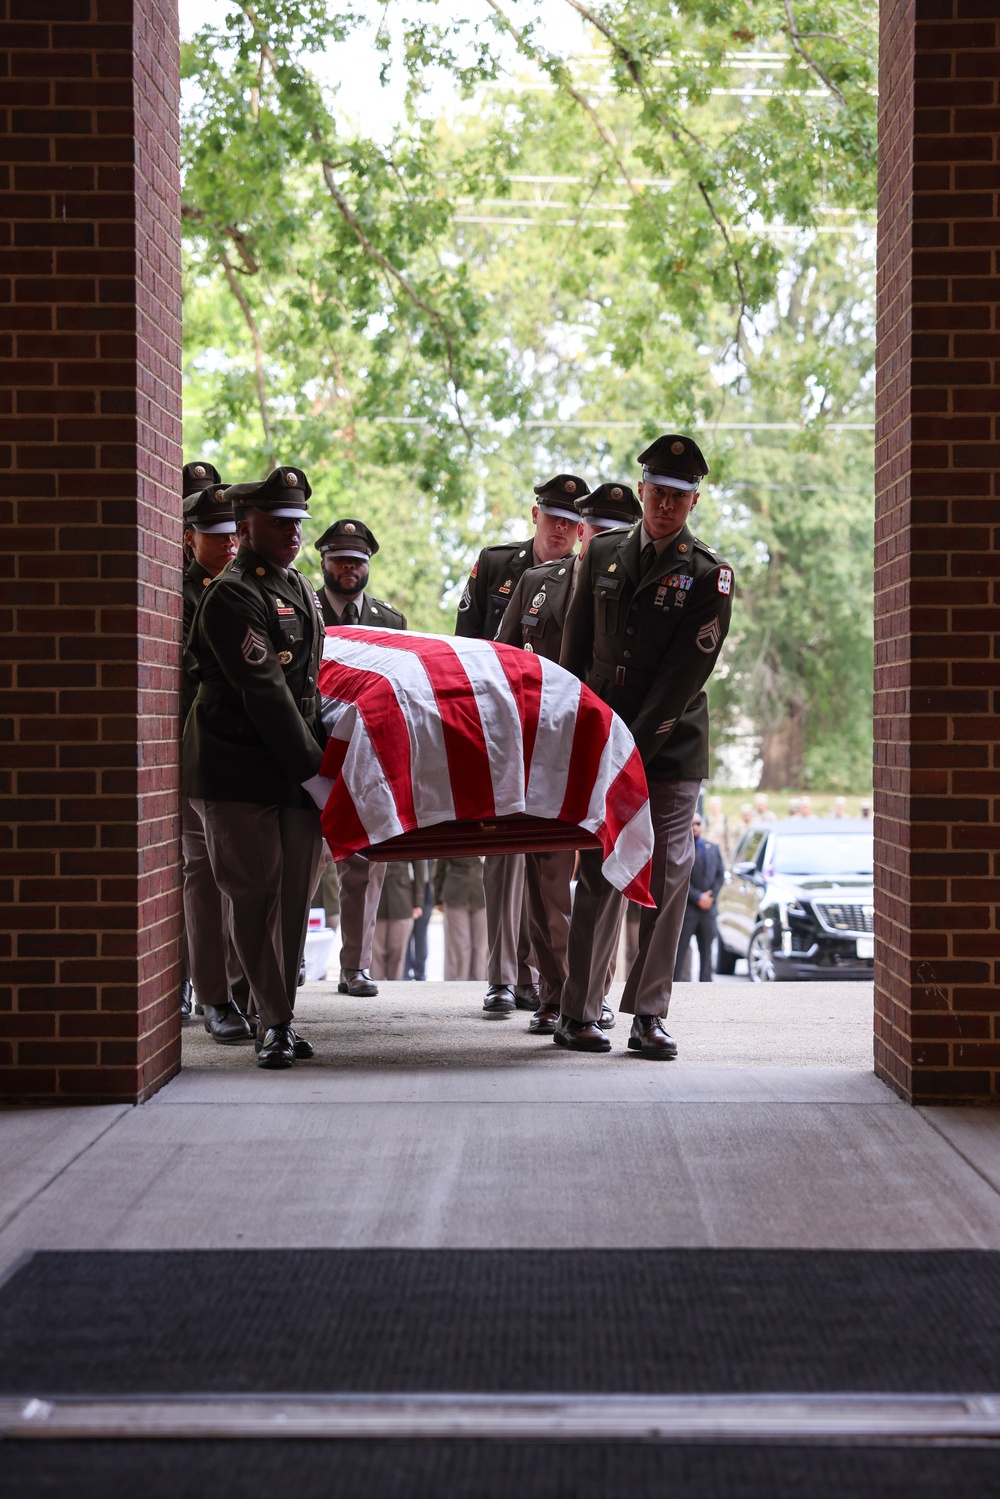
(526, 996)
(278, 1048)
(580, 1035)
(649, 1038)
(226, 1025)
(607, 1020)
(357, 981)
(187, 989)
(544, 1021)
(302, 1048)
(499, 1000)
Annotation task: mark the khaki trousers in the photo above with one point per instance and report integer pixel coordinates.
(389, 947)
(508, 942)
(264, 860)
(547, 906)
(464, 943)
(597, 913)
(211, 961)
(360, 887)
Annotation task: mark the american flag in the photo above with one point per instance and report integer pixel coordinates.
(428, 729)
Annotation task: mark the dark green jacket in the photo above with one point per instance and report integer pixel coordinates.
(538, 606)
(459, 882)
(374, 612)
(648, 648)
(196, 579)
(254, 732)
(490, 586)
(403, 889)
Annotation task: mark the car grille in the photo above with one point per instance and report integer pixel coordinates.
(845, 918)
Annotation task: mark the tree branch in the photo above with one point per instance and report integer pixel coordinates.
(395, 274)
(258, 352)
(199, 216)
(793, 32)
(556, 71)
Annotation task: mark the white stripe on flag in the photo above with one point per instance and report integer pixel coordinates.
(407, 676)
(500, 719)
(557, 713)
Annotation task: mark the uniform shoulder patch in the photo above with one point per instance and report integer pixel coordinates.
(724, 581)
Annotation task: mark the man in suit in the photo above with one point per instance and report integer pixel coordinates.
(648, 619)
(534, 620)
(346, 549)
(707, 875)
(253, 743)
(481, 609)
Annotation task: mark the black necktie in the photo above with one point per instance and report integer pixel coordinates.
(647, 559)
(349, 615)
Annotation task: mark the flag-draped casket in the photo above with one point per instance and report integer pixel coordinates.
(490, 746)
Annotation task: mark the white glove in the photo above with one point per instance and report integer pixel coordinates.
(319, 788)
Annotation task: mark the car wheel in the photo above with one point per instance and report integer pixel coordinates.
(759, 960)
(725, 961)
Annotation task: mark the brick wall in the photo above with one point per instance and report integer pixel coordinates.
(937, 771)
(89, 463)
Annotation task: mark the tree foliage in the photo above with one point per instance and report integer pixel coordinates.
(668, 227)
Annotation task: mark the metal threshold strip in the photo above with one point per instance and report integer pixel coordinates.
(677, 1418)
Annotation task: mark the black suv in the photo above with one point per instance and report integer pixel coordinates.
(797, 903)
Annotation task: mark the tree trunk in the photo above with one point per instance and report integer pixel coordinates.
(783, 751)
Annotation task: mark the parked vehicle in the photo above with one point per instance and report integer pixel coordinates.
(797, 902)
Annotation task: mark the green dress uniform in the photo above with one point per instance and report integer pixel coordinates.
(458, 890)
(253, 737)
(402, 891)
(490, 586)
(210, 955)
(360, 879)
(537, 611)
(645, 634)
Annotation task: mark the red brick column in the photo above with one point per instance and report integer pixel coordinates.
(937, 588)
(89, 463)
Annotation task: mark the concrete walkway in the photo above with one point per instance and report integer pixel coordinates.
(423, 1123)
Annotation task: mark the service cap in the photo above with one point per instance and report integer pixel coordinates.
(674, 461)
(347, 538)
(197, 475)
(558, 495)
(210, 510)
(609, 506)
(285, 493)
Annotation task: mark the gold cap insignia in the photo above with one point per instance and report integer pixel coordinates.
(570, 486)
(677, 448)
(292, 479)
(199, 470)
(220, 496)
(350, 528)
(616, 494)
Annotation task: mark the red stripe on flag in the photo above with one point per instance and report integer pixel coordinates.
(523, 671)
(590, 739)
(376, 701)
(626, 794)
(638, 890)
(464, 740)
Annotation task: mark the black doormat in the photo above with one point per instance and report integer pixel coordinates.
(487, 1470)
(570, 1321)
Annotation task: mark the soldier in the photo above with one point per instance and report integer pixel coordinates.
(648, 619)
(535, 620)
(209, 544)
(253, 745)
(480, 612)
(399, 904)
(346, 549)
(458, 890)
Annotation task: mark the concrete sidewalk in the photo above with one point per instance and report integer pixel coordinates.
(423, 1123)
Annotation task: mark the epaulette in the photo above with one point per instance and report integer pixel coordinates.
(702, 546)
(389, 608)
(521, 547)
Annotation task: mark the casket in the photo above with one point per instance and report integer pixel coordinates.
(442, 746)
